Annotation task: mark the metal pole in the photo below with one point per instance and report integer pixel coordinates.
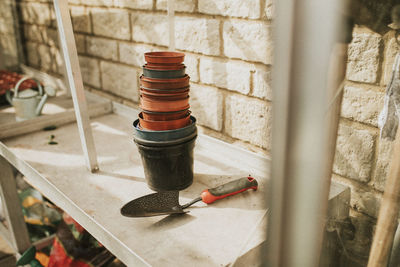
(68, 47)
(19, 236)
(304, 38)
(388, 212)
(171, 24)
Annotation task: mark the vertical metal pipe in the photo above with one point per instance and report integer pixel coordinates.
(12, 208)
(171, 24)
(68, 47)
(388, 212)
(394, 260)
(304, 38)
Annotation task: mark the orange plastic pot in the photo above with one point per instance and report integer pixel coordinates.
(164, 83)
(163, 125)
(164, 91)
(163, 98)
(162, 105)
(165, 116)
(164, 67)
(182, 93)
(164, 57)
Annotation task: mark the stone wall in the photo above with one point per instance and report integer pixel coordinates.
(362, 158)
(228, 57)
(9, 54)
(226, 45)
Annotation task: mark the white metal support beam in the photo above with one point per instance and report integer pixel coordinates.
(17, 231)
(304, 39)
(75, 82)
(171, 24)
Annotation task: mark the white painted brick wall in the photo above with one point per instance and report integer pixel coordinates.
(248, 40)
(269, 9)
(100, 47)
(192, 65)
(248, 119)
(80, 43)
(391, 50)
(197, 35)
(384, 156)
(243, 8)
(34, 33)
(206, 105)
(262, 82)
(32, 54)
(44, 57)
(362, 105)
(363, 57)
(106, 3)
(36, 13)
(111, 23)
(133, 54)
(90, 71)
(150, 28)
(120, 80)
(354, 153)
(80, 19)
(180, 5)
(134, 4)
(228, 74)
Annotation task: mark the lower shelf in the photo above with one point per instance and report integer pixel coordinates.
(213, 235)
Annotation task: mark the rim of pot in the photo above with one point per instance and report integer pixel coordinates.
(154, 80)
(192, 119)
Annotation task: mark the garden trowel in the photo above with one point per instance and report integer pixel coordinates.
(167, 202)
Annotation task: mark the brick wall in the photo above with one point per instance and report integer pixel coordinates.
(8, 43)
(362, 159)
(226, 45)
(228, 59)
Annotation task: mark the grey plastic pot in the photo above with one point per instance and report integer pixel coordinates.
(164, 74)
(165, 143)
(157, 137)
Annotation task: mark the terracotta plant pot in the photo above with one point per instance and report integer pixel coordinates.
(164, 57)
(164, 83)
(163, 98)
(164, 91)
(165, 116)
(161, 105)
(163, 74)
(182, 93)
(163, 67)
(164, 125)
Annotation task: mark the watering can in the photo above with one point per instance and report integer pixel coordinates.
(28, 103)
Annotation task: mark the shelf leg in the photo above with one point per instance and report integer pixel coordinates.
(19, 237)
(71, 62)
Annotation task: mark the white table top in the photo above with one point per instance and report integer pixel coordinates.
(211, 235)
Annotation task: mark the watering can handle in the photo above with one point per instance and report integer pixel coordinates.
(24, 79)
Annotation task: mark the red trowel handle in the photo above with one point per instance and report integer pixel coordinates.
(232, 188)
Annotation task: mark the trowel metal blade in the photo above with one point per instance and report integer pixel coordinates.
(160, 203)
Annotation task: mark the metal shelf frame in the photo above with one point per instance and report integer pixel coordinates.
(301, 141)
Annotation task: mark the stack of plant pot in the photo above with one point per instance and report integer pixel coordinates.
(165, 132)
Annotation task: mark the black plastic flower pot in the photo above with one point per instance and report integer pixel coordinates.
(163, 74)
(155, 137)
(168, 168)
